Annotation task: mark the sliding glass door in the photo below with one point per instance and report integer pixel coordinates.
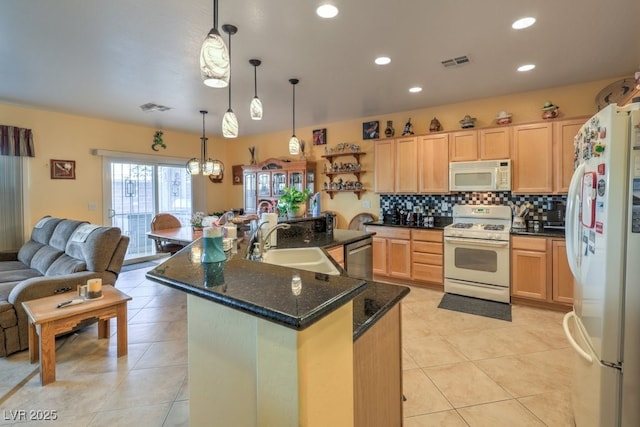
(136, 191)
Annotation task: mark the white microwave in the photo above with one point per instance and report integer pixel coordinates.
(482, 175)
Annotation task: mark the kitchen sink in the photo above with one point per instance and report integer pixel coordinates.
(310, 259)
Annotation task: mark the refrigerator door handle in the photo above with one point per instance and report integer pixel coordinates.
(565, 325)
(573, 237)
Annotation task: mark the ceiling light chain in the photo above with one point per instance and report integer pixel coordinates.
(214, 56)
(294, 144)
(255, 107)
(229, 120)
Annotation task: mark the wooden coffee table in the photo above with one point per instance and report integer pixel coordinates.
(46, 321)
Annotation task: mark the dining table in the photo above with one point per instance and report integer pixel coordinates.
(181, 235)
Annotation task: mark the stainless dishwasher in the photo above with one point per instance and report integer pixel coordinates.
(359, 259)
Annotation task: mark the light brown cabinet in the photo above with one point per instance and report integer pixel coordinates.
(406, 176)
(337, 253)
(532, 160)
(433, 163)
(495, 143)
(540, 271)
(384, 162)
(564, 132)
(463, 146)
(391, 251)
(427, 256)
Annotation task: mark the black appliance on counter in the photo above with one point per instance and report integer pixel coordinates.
(555, 215)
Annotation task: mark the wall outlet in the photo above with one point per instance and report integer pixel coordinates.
(445, 206)
(92, 206)
(366, 204)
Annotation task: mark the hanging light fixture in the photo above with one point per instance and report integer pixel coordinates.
(229, 120)
(294, 144)
(204, 165)
(256, 104)
(214, 56)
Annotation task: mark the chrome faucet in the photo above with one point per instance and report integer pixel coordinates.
(225, 218)
(263, 238)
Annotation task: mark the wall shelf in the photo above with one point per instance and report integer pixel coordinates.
(332, 173)
(331, 192)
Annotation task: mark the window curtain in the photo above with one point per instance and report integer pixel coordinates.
(16, 141)
(11, 208)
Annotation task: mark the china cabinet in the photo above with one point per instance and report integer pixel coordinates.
(264, 183)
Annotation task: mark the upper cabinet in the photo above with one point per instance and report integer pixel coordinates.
(482, 144)
(564, 132)
(406, 165)
(384, 164)
(463, 146)
(531, 155)
(433, 163)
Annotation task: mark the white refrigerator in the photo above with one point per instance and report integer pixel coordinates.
(603, 248)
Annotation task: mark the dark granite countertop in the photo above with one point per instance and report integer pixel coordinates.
(373, 303)
(439, 222)
(543, 232)
(322, 240)
(259, 289)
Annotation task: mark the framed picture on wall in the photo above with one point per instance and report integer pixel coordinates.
(63, 169)
(371, 130)
(319, 137)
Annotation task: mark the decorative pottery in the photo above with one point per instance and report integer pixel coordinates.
(408, 128)
(435, 125)
(468, 122)
(503, 118)
(550, 111)
(389, 131)
(298, 213)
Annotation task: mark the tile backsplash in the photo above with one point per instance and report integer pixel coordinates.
(434, 204)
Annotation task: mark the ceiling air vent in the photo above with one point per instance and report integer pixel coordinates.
(150, 106)
(453, 62)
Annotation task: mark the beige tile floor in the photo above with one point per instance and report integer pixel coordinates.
(459, 369)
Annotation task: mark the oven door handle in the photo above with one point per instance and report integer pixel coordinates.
(476, 242)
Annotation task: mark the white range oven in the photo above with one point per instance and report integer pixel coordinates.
(476, 252)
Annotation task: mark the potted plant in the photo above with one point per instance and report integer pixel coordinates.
(196, 221)
(293, 202)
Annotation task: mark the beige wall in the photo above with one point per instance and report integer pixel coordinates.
(72, 137)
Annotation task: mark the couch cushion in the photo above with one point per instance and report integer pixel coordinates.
(66, 265)
(96, 249)
(7, 283)
(7, 315)
(63, 232)
(43, 229)
(43, 259)
(12, 265)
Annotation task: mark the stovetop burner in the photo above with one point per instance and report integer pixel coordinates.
(462, 225)
(494, 227)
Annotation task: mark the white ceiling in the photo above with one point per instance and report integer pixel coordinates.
(106, 58)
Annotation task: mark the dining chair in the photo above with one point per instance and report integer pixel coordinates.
(164, 221)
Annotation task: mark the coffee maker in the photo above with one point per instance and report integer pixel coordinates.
(555, 215)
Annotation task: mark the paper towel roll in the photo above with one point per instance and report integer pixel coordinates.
(272, 221)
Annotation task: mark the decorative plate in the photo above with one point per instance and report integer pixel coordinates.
(615, 92)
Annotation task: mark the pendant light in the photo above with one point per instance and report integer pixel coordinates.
(229, 120)
(214, 56)
(294, 144)
(204, 165)
(256, 104)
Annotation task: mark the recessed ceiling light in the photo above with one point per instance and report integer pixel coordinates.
(523, 23)
(415, 89)
(527, 67)
(382, 60)
(327, 11)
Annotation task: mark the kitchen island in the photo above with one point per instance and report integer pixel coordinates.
(261, 354)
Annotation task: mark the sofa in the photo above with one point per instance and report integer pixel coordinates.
(60, 255)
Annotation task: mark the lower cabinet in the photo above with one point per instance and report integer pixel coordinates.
(426, 255)
(391, 251)
(540, 271)
(377, 372)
